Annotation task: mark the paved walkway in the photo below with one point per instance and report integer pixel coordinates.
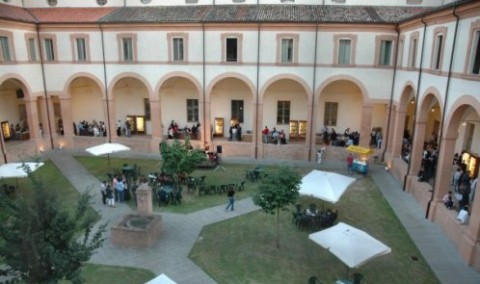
(179, 232)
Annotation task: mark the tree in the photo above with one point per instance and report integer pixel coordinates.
(277, 192)
(180, 159)
(39, 238)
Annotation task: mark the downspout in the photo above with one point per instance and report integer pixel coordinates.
(394, 76)
(447, 91)
(3, 147)
(417, 95)
(42, 65)
(257, 92)
(313, 95)
(105, 85)
(203, 90)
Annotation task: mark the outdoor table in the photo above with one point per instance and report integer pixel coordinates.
(360, 167)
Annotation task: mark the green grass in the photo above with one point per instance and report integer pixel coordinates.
(93, 274)
(243, 250)
(191, 202)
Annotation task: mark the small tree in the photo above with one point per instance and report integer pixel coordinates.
(39, 238)
(277, 192)
(180, 159)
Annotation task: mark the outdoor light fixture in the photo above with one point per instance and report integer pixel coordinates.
(41, 149)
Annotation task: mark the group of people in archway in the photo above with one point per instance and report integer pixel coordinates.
(274, 136)
(376, 137)
(429, 163)
(463, 186)
(235, 132)
(17, 130)
(330, 137)
(175, 132)
(84, 128)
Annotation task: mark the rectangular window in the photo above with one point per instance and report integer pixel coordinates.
(344, 51)
(237, 110)
(287, 50)
(192, 110)
(81, 49)
(413, 53)
(476, 54)
(385, 53)
(178, 49)
(438, 52)
(232, 50)
(330, 115)
(146, 108)
(283, 112)
(49, 50)
(5, 48)
(32, 50)
(127, 49)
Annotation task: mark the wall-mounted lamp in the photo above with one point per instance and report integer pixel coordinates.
(41, 149)
(464, 123)
(61, 145)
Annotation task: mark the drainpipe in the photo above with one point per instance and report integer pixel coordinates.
(42, 65)
(447, 91)
(394, 76)
(105, 85)
(257, 93)
(203, 89)
(313, 95)
(3, 147)
(417, 95)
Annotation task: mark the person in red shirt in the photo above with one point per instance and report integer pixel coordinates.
(350, 163)
(265, 133)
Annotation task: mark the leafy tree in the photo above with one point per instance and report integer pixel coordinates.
(277, 192)
(180, 159)
(39, 239)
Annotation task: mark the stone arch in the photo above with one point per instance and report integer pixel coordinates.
(405, 96)
(222, 76)
(27, 91)
(454, 117)
(427, 101)
(349, 78)
(280, 77)
(124, 75)
(90, 76)
(184, 75)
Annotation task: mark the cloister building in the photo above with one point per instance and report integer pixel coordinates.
(403, 66)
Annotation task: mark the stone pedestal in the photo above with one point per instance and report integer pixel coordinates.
(140, 230)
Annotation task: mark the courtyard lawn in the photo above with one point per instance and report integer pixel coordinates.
(243, 250)
(93, 274)
(191, 202)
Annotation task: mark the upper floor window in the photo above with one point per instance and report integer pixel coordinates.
(287, 48)
(101, 2)
(81, 49)
(145, 1)
(52, 3)
(412, 53)
(384, 50)
(127, 47)
(178, 49)
(232, 47)
(32, 48)
(5, 50)
(192, 110)
(472, 65)
(283, 112)
(49, 49)
(345, 49)
(438, 46)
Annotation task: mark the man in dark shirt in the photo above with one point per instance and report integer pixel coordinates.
(231, 198)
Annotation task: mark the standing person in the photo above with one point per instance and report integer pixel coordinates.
(110, 195)
(103, 191)
(119, 128)
(120, 191)
(231, 198)
(265, 133)
(350, 163)
(127, 128)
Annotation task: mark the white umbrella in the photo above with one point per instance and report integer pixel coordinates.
(326, 186)
(107, 148)
(161, 279)
(17, 170)
(352, 246)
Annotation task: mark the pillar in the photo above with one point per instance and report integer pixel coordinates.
(416, 154)
(366, 125)
(157, 124)
(66, 111)
(32, 118)
(396, 141)
(144, 200)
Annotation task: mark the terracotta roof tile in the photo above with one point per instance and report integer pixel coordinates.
(165, 14)
(70, 15)
(15, 13)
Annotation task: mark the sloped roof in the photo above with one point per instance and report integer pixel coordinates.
(164, 14)
(15, 13)
(70, 15)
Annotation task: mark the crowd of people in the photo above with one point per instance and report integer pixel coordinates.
(274, 136)
(463, 187)
(235, 132)
(17, 130)
(175, 132)
(331, 137)
(85, 128)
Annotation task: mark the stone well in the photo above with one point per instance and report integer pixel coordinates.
(140, 230)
